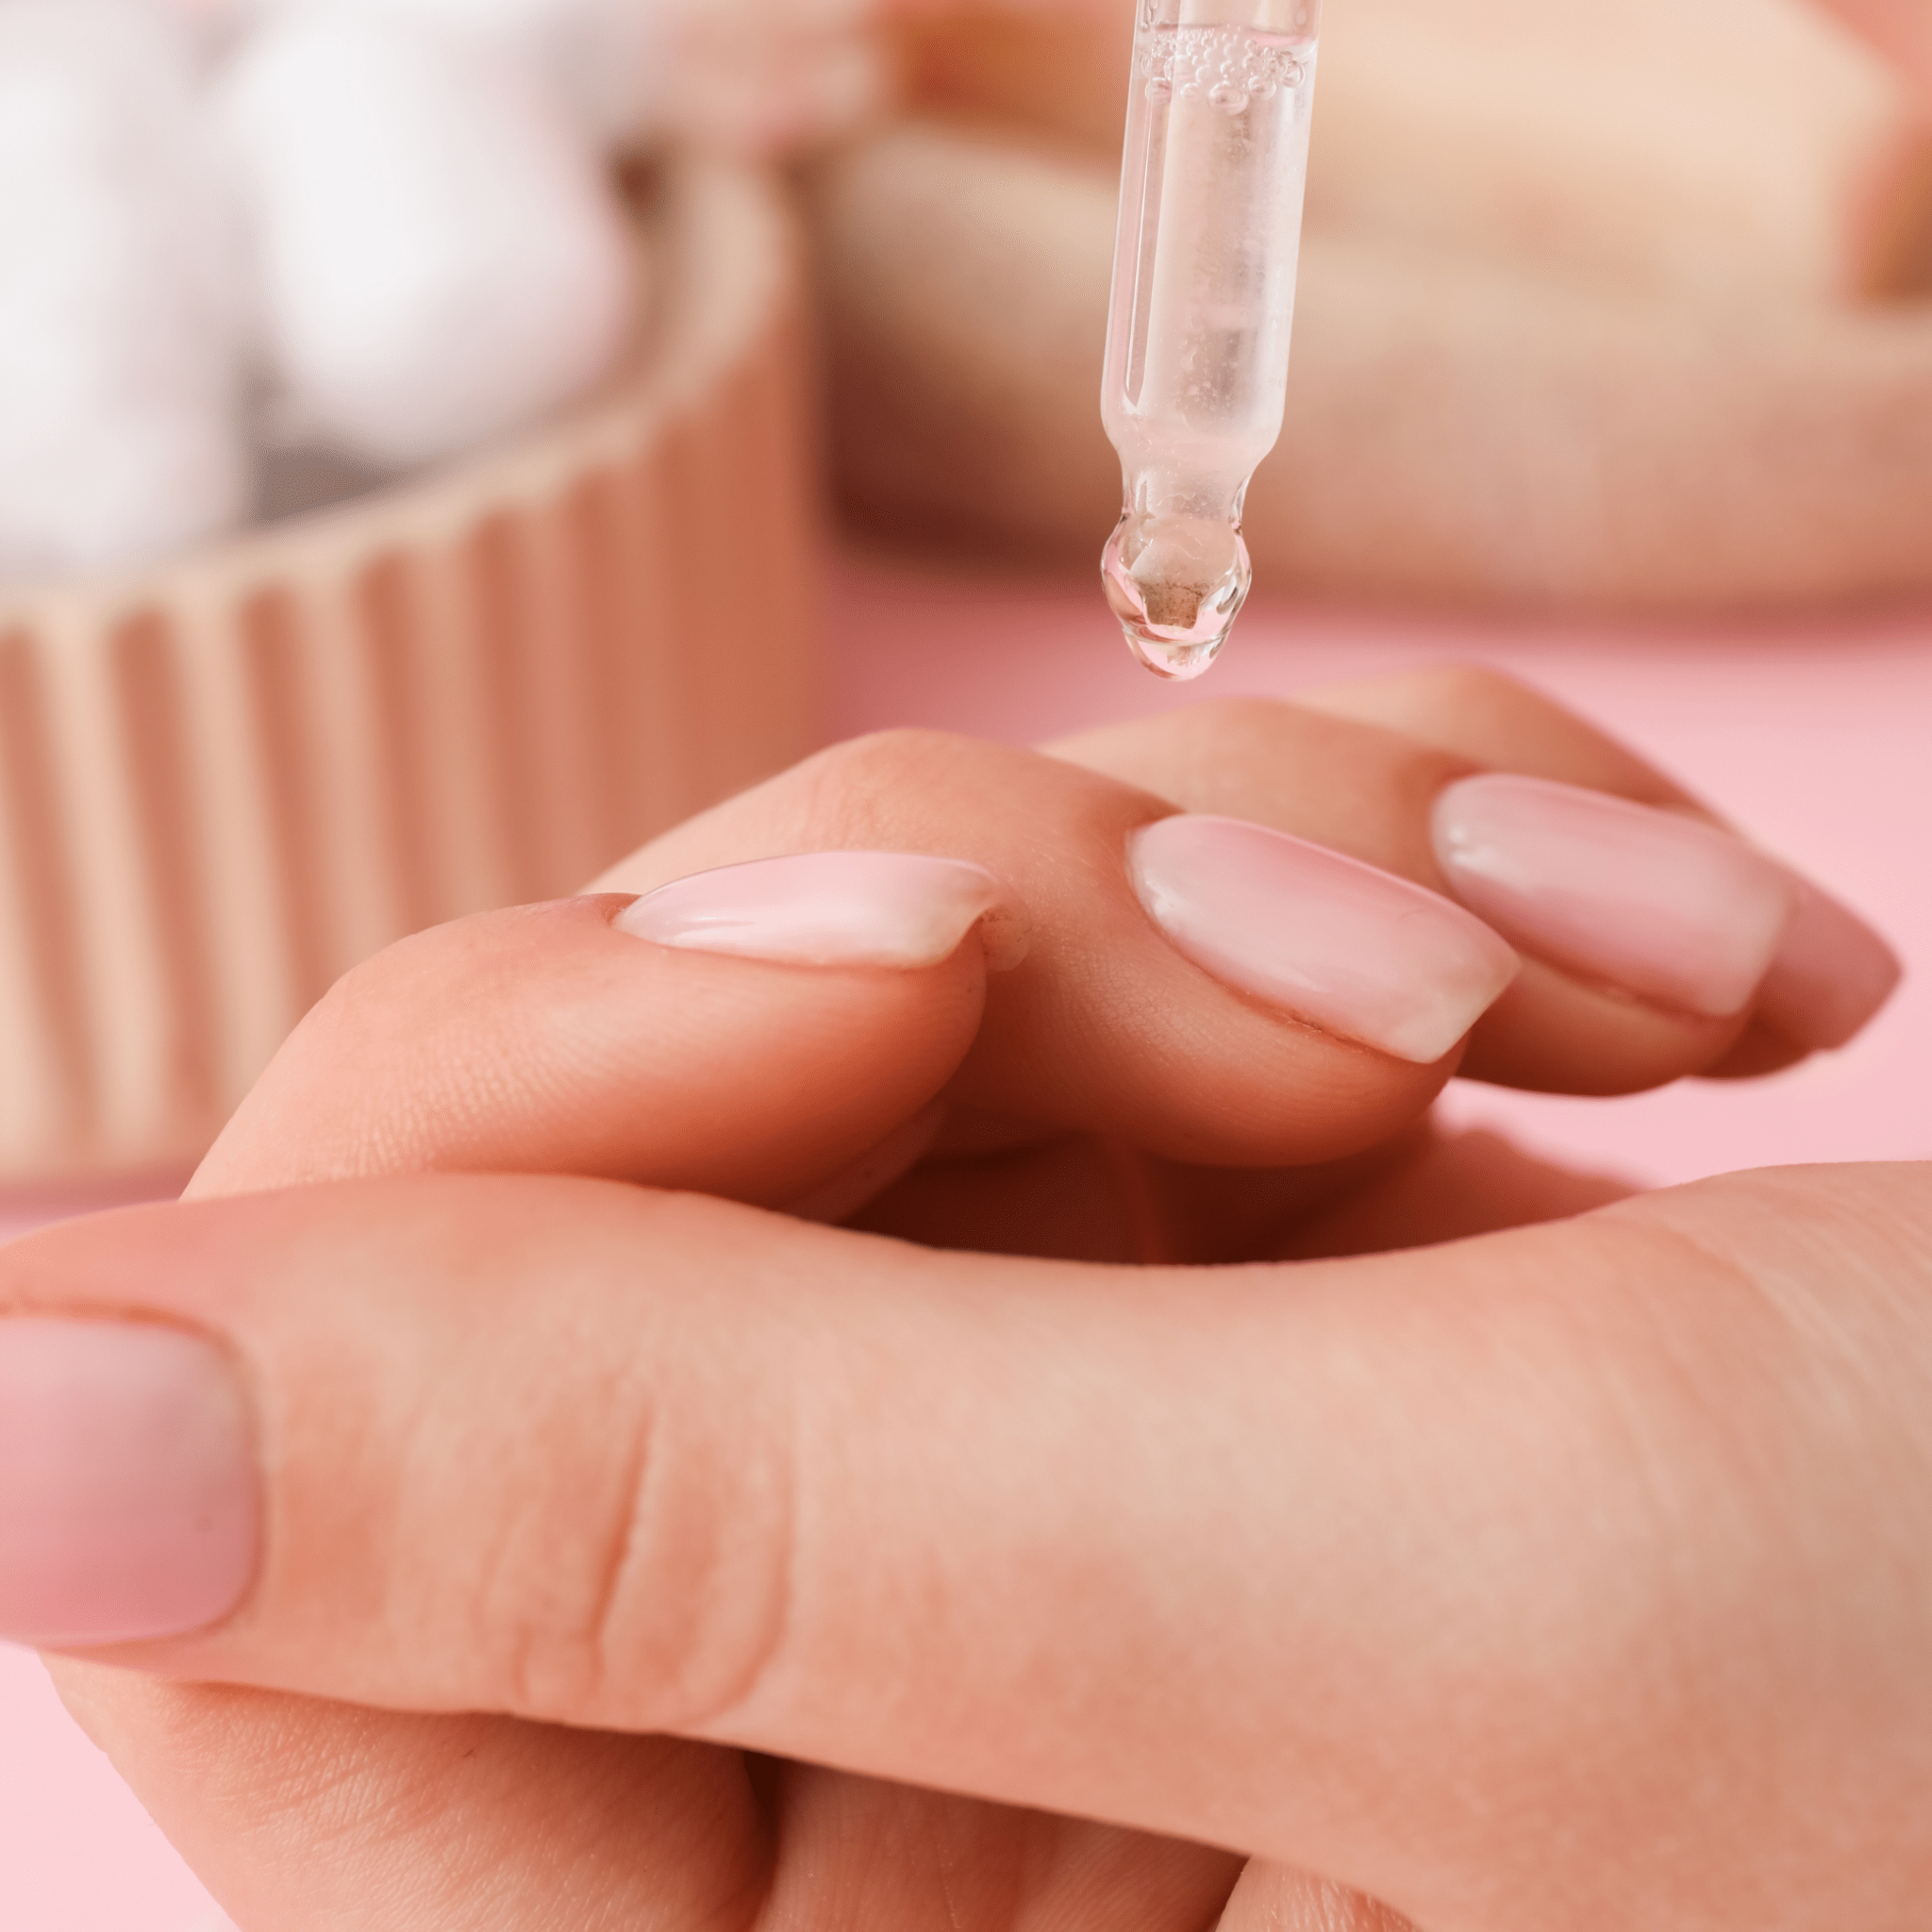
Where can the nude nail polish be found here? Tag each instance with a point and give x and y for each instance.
(1355, 950)
(1830, 975)
(832, 909)
(129, 1502)
(1661, 906)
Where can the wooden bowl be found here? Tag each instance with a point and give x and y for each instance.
(226, 780)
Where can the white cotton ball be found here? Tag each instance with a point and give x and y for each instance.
(748, 77)
(439, 257)
(121, 431)
(601, 61)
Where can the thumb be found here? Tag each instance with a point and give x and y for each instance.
(1371, 1567)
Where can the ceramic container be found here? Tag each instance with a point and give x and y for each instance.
(225, 781)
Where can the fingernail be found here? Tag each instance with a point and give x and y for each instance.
(128, 1498)
(1659, 904)
(1355, 950)
(1831, 973)
(833, 908)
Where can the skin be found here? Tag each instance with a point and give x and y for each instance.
(651, 1558)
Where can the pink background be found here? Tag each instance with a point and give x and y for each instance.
(1816, 736)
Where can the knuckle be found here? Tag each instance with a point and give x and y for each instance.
(835, 795)
(862, 766)
(909, 783)
(653, 1593)
(1480, 686)
(1483, 706)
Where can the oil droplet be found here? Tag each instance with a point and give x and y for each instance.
(1176, 584)
(1160, 89)
(1229, 98)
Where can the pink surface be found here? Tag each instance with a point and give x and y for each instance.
(1817, 737)
(77, 1853)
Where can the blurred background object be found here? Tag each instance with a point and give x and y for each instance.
(744, 77)
(1615, 307)
(436, 259)
(1746, 148)
(1903, 28)
(446, 297)
(122, 424)
(1702, 145)
(227, 779)
(253, 252)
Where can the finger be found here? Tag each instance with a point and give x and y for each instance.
(1272, 1898)
(1296, 1007)
(540, 1038)
(551, 1039)
(1653, 948)
(1831, 972)
(852, 1852)
(1446, 1187)
(1091, 1200)
(1372, 792)
(1499, 724)
(1288, 1559)
(546, 1037)
(298, 1813)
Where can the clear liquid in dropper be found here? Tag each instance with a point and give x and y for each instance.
(1175, 583)
(1203, 300)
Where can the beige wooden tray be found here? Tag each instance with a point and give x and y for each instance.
(226, 781)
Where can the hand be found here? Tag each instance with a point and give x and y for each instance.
(1184, 1628)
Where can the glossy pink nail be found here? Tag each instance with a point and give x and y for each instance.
(1831, 973)
(1664, 907)
(129, 1504)
(1357, 951)
(832, 909)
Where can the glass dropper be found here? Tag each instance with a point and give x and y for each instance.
(1210, 217)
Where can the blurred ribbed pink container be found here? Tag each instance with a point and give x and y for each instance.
(226, 780)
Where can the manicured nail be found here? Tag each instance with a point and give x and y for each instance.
(1355, 950)
(1661, 906)
(833, 908)
(129, 1505)
(1831, 973)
